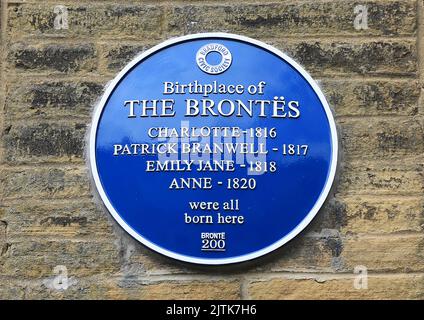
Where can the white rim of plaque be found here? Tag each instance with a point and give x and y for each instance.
(208, 261)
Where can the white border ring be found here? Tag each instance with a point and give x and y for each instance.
(308, 218)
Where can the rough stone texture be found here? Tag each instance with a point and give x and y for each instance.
(50, 79)
(369, 57)
(401, 254)
(382, 138)
(38, 257)
(384, 177)
(323, 57)
(369, 214)
(51, 99)
(136, 21)
(260, 20)
(379, 287)
(52, 57)
(372, 97)
(4, 245)
(44, 141)
(60, 219)
(117, 288)
(24, 183)
(257, 20)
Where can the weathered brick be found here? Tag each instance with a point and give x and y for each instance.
(4, 245)
(308, 18)
(264, 20)
(381, 177)
(55, 99)
(56, 219)
(46, 183)
(106, 287)
(11, 290)
(400, 253)
(371, 215)
(35, 258)
(321, 58)
(332, 215)
(376, 139)
(40, 141)
(116, 56)
(141, 260)
(95, 287)
(123, 20)
(306, 253)
(370, 57)
(203, 290)
(379, 287)
(381, 215)
(372, 98)
(53, 57)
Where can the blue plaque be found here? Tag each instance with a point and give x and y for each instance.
(213, 148)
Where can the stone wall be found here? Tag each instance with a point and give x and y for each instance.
(57, 56)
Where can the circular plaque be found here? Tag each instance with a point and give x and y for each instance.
(213, 148)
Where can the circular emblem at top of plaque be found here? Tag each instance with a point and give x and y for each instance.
(202, 58)
(213, 148)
